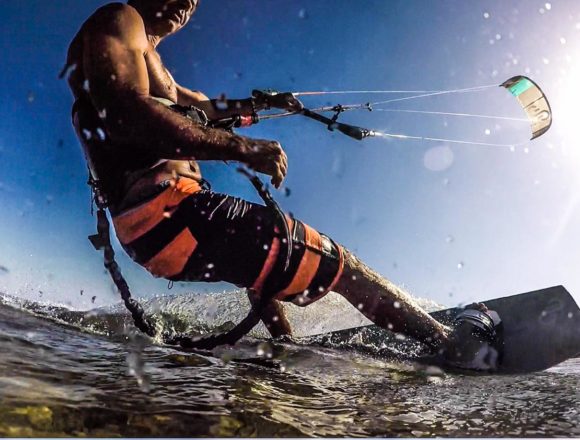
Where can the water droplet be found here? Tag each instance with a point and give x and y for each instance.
(222, 103)
(390, 326)
(397, 305)
(302, 13)
(487, 131)
(570, 315)
(101, 134)
(449, 239)
(360, 306)
(264, 349)
(460, 265)
(548, 6)
(562, 40)
(438, 158)
(486, 15)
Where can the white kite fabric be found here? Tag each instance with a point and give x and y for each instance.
(533, 101)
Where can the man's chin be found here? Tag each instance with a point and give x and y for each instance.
(168, 27)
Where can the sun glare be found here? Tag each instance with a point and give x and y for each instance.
(565, 105)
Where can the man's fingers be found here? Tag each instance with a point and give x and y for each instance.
(268, 157)
(284, 166)
(277, 180)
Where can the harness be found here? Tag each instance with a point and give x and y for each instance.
(102, 241)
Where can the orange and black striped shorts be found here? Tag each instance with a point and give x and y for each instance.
(185, 233)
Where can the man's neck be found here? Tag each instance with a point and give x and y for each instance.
(154, 40)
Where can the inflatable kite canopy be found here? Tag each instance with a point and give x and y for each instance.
(533, 101)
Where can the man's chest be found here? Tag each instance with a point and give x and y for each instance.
(161, 83)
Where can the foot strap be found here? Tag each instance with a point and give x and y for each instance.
(476, 342)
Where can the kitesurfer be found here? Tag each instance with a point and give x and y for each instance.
(143, 140)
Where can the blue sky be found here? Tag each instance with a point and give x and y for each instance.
(450, 222)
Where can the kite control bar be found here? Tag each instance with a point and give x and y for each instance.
(265, 100)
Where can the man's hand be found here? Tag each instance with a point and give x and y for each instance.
(266, 99)
(266, 157)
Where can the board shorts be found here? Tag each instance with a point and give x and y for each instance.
(187, 233)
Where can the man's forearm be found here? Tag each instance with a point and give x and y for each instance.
(146, 125)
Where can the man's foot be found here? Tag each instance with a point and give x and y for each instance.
(476, 341)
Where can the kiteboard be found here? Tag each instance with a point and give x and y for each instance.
(540, 330)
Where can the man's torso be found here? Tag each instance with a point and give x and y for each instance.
(162, 85)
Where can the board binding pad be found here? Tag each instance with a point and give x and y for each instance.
(540, 329)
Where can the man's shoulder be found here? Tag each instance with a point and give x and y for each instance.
(117, 15)
(119, 21)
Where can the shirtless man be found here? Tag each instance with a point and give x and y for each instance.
(143, 148)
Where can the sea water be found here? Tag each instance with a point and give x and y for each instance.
(71, 373)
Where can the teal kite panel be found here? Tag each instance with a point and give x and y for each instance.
(520, 87)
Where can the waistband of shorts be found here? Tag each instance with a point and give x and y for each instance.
(184, 185)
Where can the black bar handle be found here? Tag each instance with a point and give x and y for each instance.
(352, 131)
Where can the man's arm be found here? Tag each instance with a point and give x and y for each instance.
(114, 65)
(216, 109)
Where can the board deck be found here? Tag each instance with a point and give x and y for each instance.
(541, 329)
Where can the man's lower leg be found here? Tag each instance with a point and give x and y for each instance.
(387, 305)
